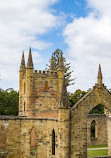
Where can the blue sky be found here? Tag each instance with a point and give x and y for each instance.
(81, 28)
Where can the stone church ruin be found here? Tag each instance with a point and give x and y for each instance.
(46, 126)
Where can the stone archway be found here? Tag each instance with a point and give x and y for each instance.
(79, 112)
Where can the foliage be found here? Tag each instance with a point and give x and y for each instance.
(67, 66)
(9, 101)
(99, 109)
(74, 98)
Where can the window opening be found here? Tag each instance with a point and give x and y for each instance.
(93, 124)
(53, 142)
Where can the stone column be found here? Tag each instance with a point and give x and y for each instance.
(109, 135)
(64, 133)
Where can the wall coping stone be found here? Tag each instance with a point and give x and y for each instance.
(95, 115)
(11, 117)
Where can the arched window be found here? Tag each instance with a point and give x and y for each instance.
(53, 142)
(93, 129)
(33, 138)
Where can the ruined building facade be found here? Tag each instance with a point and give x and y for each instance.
(46, 126)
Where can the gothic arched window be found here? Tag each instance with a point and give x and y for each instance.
(53, 142)
(93, 129)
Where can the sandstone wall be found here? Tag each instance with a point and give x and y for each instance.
(101, 137)
(109, 136)
(18, 137)
(79, 113)
(39, 94)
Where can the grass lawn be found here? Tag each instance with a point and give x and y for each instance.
(97, 146)
(101, 152)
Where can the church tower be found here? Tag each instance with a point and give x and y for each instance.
(41, 93)
(26, 85)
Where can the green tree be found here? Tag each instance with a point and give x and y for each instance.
(9, 102)
(99, 109)
(74, 98)
(68, 73)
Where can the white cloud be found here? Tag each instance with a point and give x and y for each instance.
(20, 23)
(89, 41)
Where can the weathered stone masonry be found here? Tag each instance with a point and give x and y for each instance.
(101, 123)
(46, 126)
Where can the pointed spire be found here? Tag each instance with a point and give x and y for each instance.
(61, 65)
(52, 67)
(30, 62)
(22, 66)
(99, 75)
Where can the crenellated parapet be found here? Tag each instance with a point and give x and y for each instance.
(50, 72)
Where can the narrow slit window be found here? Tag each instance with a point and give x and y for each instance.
(93, 129)
(24, 105)
(24, 87)
(53, 142)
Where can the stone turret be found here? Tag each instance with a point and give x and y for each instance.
(61, 64)
(22, 75)
(52, 66)
(99, 78)
(22, 66)
(64, 113)
(29, 84)
(60, 72)
(26, 86)
(64, 97)
(30, 62)
(64, 124)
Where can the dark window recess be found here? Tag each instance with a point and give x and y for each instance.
(24, 105)
(93, 124)
(53, 142)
